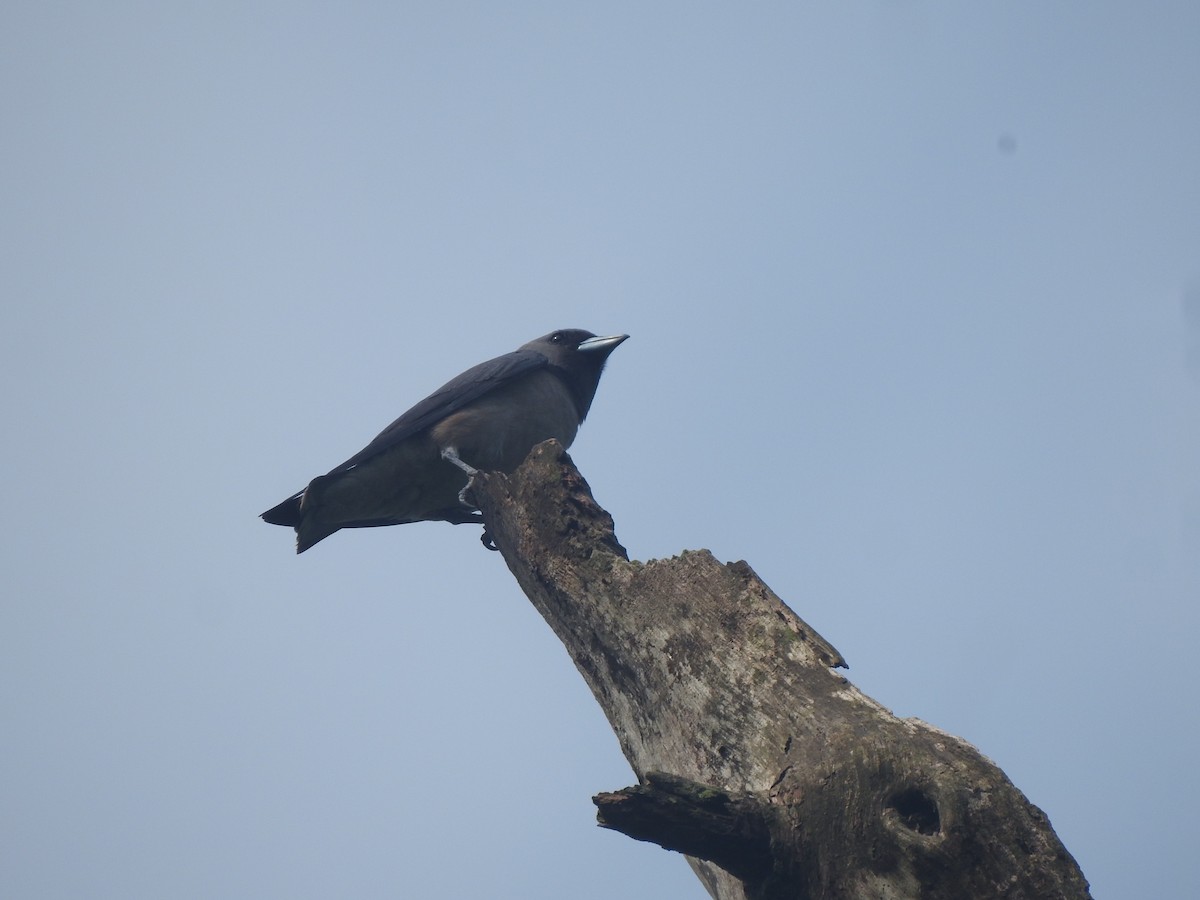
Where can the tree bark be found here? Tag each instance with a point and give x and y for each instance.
(771, 771)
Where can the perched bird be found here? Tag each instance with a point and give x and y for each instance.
(488, 418)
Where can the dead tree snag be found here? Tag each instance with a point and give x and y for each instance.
(771, 771)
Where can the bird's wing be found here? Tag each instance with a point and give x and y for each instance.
(450, 397)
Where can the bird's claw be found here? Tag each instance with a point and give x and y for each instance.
(466, 489)
(487, 540)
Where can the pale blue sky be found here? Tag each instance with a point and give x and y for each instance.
(906, 283)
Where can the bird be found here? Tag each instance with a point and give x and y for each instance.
(488, 418)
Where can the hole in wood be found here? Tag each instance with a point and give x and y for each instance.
(916, 810)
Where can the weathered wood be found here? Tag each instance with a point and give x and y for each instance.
(707, 676)
(695, 819)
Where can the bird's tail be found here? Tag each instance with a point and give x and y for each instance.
(309, 533)
(286, 513)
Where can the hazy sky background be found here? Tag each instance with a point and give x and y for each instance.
(914, 297)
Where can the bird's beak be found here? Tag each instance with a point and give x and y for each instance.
(607, 344)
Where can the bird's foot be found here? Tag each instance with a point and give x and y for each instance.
(462, 495)
(487, 540)
(450, 455)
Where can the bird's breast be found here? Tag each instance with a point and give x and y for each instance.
(497, 431)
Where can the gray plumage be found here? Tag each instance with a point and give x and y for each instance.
(488, 418)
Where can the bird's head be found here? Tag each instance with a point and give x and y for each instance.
(579, 357)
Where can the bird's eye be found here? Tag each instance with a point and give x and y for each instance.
(556, 338)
